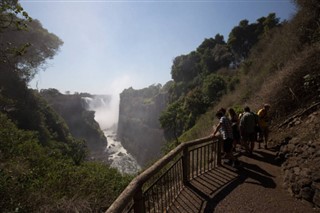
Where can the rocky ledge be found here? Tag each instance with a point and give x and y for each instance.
(299, 154)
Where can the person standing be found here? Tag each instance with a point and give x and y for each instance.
(248, 129)
(235, 127)
(264, 121)
(225, 129)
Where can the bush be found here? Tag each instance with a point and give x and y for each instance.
(37, 178)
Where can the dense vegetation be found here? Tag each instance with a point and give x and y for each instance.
(203, 76)
(240, 71)
(74, 110)
(42, 167)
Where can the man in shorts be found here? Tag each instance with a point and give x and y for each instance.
(248, 125)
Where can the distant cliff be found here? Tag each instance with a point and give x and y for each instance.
(72, 108)
(138, 128)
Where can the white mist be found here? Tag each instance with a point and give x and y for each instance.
(106, 114)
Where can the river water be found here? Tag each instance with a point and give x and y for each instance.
(119, 156)
(106, 114)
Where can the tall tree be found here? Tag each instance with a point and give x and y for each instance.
(185, 67)
(245, 35)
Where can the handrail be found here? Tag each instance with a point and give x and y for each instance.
(135, 186)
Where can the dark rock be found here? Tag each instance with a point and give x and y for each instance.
(296, 190)
(295, 141)
(306, 172)
(316, 176)
(316, 197)
(305, 182)
(317, 154)
(311, 150)
(307, 193)
(296, 170)
(290, 147)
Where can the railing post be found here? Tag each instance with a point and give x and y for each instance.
(138, 201)
(185, 165)
(219, 152)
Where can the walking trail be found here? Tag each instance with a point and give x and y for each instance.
(256, 186)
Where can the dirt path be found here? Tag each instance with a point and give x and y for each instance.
(258, 188)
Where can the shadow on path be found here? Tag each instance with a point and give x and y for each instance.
(247, 173)
(203, 193)
(261, 155)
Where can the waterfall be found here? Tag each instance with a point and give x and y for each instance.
(106, 114)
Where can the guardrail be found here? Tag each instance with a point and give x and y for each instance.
(155, 189)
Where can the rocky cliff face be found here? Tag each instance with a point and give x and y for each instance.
(139, 127)
(72, 108)
(300, 154)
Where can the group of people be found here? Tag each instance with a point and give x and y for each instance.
(244, 129)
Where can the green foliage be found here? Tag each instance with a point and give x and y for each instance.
(42, 166)
(25, 51)
(217, 57)
(214, 87)
(9, 10)
(185, 67)
(233, 83)
(197, 82)
(308, 21)
(36, 178)
(286, 52)
(244, 36)
(172, 119)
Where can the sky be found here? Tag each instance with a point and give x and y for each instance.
(113, 45)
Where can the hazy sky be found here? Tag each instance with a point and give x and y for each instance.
(112, 45)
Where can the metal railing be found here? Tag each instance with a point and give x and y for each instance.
(155, 189)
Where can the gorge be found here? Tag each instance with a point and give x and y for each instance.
(123, 133)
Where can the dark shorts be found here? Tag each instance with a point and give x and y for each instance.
(227, 145)
(235, 132)
(249, 137)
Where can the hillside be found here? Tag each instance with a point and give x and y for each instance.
(80, 121)
(283, 69)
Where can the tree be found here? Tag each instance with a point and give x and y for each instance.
(172, 120)
(213, 87)
(210, 43)
(245, 35)
(23, 51)
(185, 67)
(9, 10)
(215, 58)
(27, 50)
(241, 39)
(195, 105)
(307, 21)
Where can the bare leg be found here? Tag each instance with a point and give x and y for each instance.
(251, 146)
(266, 137)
